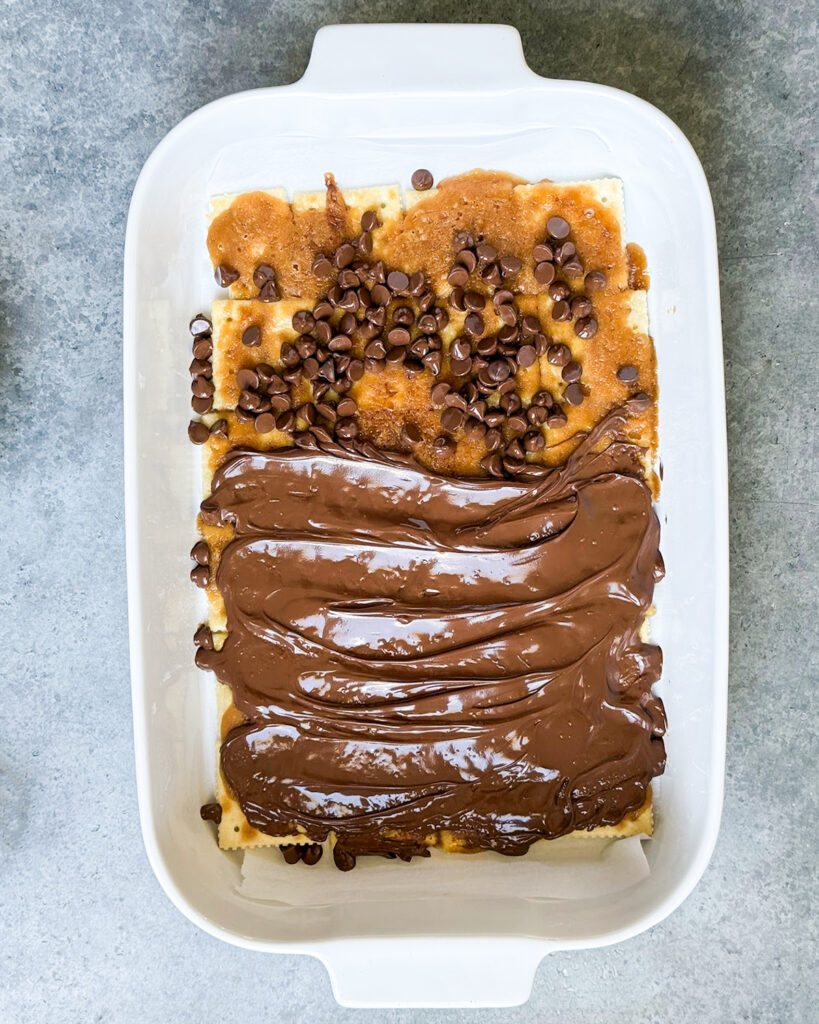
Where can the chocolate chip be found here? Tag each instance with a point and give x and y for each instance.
(252, 336)
(264, 423)
(463, 240)
(493, 437)
(586, 327)
(365, 243)
(433, 362)
(468, 259)
(347, 429)
(526, 355)
(247, 378)
(200, 553)
(310, 368)
(417, 284)
(581, 306)
(375, 350)
(491, 274)
(262, 274)
(474, 301)
(210, 513)
(541, 344)
(571, 372)
(557, 419)
(219, 428)
(203, 637)
(510, 265)
(514, 450)
(399, 336)
(200, 367)
(269, 292)
(327, 410)
(498, 370)
(249, 400)
(344, 255)
(508, 315)
(420, 347)
(627, 373)
(475, 430)
(517, 423)
(456, 299)
(323, 310)
(346, 408)
(321, 267)
(380, 294)
(369, 220)
(200, 575)
(508, 334)
(544, 273)
(559, 355)
(311, 854)
(422, 180)
(595, 281)
(350, 301)
(279, 403)
(243, 416)
(543, 253)
(487, 346)
(638, 403)
(291, 853)
(558, 227)
(355, 371)
(348, 279)
(573, 394)
(573, 267)
(460, 367)
(460, 349)
(203, 347)
(201, 387)
(452, 419)
(561, 310)
(492, 464)
(473, 324)
(398, 281)
(425, 300)
(559, 290)
(285, 422)
(225, 275)
(438, 393)
(486, 253)
(443, 445)
(565, 252)
(200, 325)
(533, 441)
(397, 355)
(441, 317)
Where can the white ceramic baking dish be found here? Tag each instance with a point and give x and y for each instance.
(407, 103)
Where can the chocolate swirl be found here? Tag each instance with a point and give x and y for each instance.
(414, 653)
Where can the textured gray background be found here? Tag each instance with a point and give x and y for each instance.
(87, 89)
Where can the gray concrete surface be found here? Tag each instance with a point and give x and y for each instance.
(87, 88)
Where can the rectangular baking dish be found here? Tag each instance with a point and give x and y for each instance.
(410, 104)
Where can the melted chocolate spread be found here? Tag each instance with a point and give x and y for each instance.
(415, 653)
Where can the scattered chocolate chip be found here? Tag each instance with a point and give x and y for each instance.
(365, 243)
(203, 637)
(219, 428)
(344, 255)
(573, 394)
(460, 367)
(558, 227)
(355, 371)
(559, 290)
(399, 336)
(203, 347)
(411, 433)
(463, 240)
(438, 393)
(201, 387)
(369, 220)
(561, 310)
(443, 445)
(491, 274)
(398, 281)
(291, 853)
(533, 441)
(565, 252)
(543, 253)
(211, 812)
(433, 362)
(200, 367)
(264, 423)
(638, 403)
(492, 464)
(509, 402)
(200, 575)
(285, 422)
(422, 180)
(581, 306)
(247, 378)
(514, 450)
(347, 429)
(627, 373)
(557, 419)
(498, 370)
(200, 553)
(323, 310)
(474, 301)
(559, 355)
(252, 336)
(473, 324)
(526, 355)
(586, 327)
(517, 423)
(452, 419)
(343, 859)
(510, 265)
(269, 292)
(397, 355)
(380, 294)
(225, 275)
(493, 438)
(571, 372)
(200, 325)
(475, 430)
(595, 281)
(348, 279)
(467, 259)
(262, 274)
(573, 267)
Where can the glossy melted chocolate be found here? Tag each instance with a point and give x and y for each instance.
(414, 653)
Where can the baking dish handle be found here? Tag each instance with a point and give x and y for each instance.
(434, 972)
(417, 59)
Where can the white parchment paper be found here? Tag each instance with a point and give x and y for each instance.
(567, 868)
